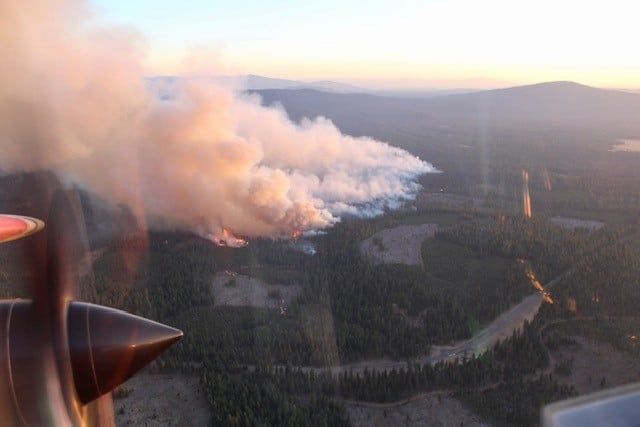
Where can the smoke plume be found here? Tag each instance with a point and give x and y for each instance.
(73, 99)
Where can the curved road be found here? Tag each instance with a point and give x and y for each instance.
(502, 327)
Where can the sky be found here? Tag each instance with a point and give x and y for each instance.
(482, 42)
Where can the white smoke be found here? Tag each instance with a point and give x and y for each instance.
(74, 99)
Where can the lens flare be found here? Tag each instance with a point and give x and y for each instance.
(546, 179)
(526, 198)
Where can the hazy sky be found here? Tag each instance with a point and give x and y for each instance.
(593, 42)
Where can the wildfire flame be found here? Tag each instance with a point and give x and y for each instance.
(226, 238)
(296, 234)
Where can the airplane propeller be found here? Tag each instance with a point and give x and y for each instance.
(60, 358)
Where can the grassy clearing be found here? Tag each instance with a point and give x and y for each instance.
(472, 276)
(446, 260)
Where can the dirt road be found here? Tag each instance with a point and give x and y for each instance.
(502, 327)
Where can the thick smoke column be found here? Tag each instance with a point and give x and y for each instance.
(74, 99)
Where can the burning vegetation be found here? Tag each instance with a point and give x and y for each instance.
(226, 238)
(533, 279)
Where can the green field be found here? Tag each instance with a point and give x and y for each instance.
(446, 260)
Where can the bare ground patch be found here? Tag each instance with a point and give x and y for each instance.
(162, 400)
(398, 245)
(431, 409)
(594, 360)
(243, 291)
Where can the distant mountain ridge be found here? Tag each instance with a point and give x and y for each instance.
(252, 82)
(558, 104)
